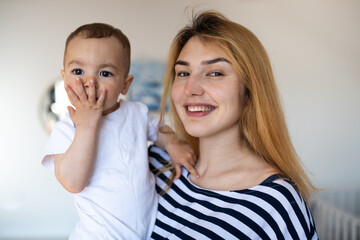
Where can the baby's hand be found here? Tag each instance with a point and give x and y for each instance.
(87, 110)
(182, 155)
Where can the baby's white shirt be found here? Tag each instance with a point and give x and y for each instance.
(120, 201)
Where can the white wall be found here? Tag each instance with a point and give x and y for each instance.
(314, 47)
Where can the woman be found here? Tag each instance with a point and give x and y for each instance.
(224, 103)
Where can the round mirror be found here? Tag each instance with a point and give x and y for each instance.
(53, 104)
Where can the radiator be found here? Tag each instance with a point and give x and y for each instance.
(337, 215)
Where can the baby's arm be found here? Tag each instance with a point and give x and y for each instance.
(180, 152)
(73, 168)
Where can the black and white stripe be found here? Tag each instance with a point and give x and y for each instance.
(271, 210)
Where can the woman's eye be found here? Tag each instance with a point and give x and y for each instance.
(182, 74)
(106, 74)
(216, 74)
(77, 71)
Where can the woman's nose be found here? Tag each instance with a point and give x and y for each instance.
(193, 86)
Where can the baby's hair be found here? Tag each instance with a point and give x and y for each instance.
(102, 30)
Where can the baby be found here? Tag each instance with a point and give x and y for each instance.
(99, 151)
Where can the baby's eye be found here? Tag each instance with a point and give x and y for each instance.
(106, 74)
(216, 74)
(77, 71)
(183, 74)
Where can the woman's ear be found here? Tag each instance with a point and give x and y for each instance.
(246, 96)
(127, 84)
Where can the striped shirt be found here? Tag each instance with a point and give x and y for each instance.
(271, 210)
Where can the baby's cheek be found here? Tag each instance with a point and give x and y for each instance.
(73, 88)
(69, 82)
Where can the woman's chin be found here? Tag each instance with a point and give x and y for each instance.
(197, 132)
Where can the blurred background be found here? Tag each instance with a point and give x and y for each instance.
(314, 47)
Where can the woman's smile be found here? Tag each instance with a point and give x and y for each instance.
(198, 110)
(207, 93)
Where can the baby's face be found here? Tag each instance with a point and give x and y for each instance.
(100, 59)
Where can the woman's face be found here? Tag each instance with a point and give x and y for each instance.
(207, 93)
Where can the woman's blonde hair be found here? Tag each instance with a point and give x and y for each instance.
(262, 122)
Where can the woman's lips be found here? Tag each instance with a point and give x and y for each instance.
(199, 110)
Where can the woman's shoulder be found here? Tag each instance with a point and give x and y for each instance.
(278, 184)
(274, 188)
(279, 192)
(157, 156)
(275, 202)
(280, 198)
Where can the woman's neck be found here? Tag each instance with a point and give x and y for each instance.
(221, 151)
(226, 163)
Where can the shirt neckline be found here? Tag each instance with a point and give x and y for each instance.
(269, 179)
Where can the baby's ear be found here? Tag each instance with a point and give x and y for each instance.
(62, 74)
(127, 84)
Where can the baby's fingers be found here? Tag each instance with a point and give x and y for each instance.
(81, 91)
(100, 101)
(73, 98)
(92, 92)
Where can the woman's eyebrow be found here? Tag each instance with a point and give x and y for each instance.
(180, 62)
(216, 60)
(205, 62)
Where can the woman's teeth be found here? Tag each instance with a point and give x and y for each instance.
(199, 108)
